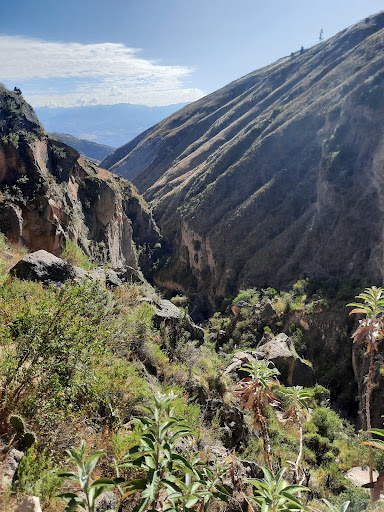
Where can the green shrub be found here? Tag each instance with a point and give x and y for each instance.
(332, 478)
(73, 254)
(48, 348)
(358, 497)
(245, 295)
(181, 301)
(36, 476)
(317, 444)
(300, 286)
(328, 423)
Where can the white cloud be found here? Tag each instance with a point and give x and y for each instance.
(72, 74)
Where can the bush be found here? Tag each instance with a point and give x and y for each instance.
(36, 476)
(317, 444)
(73, 254)
(245, 295)
(48, 348)
(358, 497)
(328, 423)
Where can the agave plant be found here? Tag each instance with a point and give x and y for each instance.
(256, 395)
(275, 494)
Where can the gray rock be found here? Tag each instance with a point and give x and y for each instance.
(113, 280)
(130, 275)
(29, 504)
(45, 267)
(268, 312)
(359, 475)
(167, 312)
(294, 370)
(106, 501)
(9, 467)
(236, 365)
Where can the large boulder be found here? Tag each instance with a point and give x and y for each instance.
(168, 313)
(239, 359)
(29, 504)
(45, 267)
(359, 475)
(294, 371)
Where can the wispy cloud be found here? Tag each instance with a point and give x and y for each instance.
(72, 74)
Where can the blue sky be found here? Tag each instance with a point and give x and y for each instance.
(154, 52)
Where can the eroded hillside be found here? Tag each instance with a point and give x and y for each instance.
(277, 176)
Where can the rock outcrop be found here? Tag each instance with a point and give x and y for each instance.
(167, 312)
(294, 371)
(49, 194)
(8, 468)
(277, 176)
(46, 268)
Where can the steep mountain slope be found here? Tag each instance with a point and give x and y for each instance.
(279, 175)
(87, 148)
(49, 194)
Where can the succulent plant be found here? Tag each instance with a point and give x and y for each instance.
(17, 423)
(26, 438)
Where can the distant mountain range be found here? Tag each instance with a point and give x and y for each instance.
(91, 150)
(112, 125)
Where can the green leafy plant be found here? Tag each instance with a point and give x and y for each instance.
(198, 486)
(275, 494)
(376, 443)
(171, 481)
(332, 508)
(36, 476)
(48, 348)
(92, 489)
(59, 152)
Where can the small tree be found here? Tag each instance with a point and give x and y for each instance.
(369, 333)
(297, 411)
(256, 395)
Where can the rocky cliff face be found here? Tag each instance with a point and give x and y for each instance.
(48, 194)
(277, 176)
